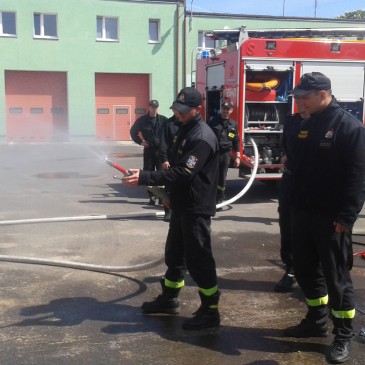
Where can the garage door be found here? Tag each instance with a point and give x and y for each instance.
(120, 99)
(36, 106)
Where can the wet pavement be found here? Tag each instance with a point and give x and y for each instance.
(54, 315)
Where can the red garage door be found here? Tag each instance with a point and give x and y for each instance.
(36, 106)
(120, 99)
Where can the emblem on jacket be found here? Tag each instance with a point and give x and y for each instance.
(303, 134)
(329, 134)
(191, 162)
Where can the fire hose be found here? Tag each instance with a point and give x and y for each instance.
(103, 268)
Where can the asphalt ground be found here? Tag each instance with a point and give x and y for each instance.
(55, 315)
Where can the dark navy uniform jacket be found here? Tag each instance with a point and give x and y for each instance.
(291, 129)
(151, 129)
(169, 134)
(329, 165)
(227, 133)
(193, 176)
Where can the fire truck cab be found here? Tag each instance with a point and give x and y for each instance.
(255, 69)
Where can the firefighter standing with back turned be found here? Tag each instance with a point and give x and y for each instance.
(149, 126)
(191, 180)
(328, 192)
(226, 132)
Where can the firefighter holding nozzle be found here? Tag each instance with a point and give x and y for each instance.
(328, 192)
(192, 181)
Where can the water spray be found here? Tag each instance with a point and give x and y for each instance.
(102, 268)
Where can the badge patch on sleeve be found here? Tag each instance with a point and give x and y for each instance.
(191, 162)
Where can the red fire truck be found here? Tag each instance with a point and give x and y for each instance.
(255, 69)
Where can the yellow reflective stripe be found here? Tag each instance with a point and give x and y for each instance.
(173, 284)
(317, 302)
(343, 314)
(209, 292)
(221, 187)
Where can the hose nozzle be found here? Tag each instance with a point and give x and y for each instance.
(119, 168)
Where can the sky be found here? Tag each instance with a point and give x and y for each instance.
(301, 8)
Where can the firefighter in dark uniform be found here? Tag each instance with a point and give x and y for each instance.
(226, 132)
(149, 127)
(290, 132)
(328, 192)
(192, 180)
(169, 134)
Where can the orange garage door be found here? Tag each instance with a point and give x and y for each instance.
(36, 106)
(120, 99)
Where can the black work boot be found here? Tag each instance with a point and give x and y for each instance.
(307, 329)
(286, 284)
(207, 316)
(339, 351)
(220, 196)
(167, 302)
(167, 216)
(152, 200)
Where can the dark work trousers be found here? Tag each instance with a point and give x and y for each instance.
(284, 223)
(188, 247)
(224, 160)
(322, 264)
(151, 161)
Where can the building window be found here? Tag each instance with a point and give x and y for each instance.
(154, 31)
(140, 111)
(106, 28)
(121, 111)
(15, 110)
(205, 42)
(57, 111)
(36, 110)
(102, 111)
(7, 23)
(45, 26)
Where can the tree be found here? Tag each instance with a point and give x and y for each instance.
(357, 14)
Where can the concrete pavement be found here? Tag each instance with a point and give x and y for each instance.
(53, 315)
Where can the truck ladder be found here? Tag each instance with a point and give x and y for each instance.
(241, 34)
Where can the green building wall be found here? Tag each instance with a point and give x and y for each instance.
(80, 55)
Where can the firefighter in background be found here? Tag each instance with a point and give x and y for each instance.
(149, 127)
(291, 129)
(169, 134)
(328, 192)
(192, 180)
(226, 132)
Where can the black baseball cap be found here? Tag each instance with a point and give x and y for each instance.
(187, 99)
(154, 103)
(227, 104)
(310, 82)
